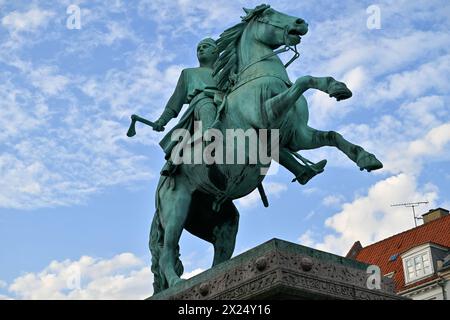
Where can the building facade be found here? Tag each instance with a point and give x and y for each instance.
(418, 260)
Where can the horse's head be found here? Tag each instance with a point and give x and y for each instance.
(263, 26)
(274, 28)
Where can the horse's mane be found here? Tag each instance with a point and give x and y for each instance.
(225, 68)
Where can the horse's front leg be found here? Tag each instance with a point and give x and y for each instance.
(278, 105)
(334, 88)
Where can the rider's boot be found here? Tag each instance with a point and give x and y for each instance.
(301, 173)
(310, 171)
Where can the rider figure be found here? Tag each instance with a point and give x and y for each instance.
(197, 87)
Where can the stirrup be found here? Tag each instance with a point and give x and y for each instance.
(168, 169)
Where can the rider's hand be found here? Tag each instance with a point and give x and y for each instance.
(159, 125)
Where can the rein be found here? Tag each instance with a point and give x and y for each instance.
(285, 37)
(274, 53)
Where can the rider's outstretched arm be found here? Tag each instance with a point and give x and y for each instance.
(176, 101)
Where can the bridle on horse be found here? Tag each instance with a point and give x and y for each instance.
(276, 52)
(285, 38)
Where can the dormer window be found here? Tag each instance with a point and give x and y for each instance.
(417, 264)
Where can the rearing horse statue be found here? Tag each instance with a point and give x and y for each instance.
(259, 95)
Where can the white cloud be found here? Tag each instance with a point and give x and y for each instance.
(429, 111)
(15, 120)
(370, 217)
(429, 77)
(27, 21)
(105, 33)
(402, 89)
(143, 86)
(124, 276)
(60, 145)
(310, 215)
(45, 172)
(385, 65)
(433, 143)
(45, 79)
(404, 155)
(188, 16)
(271, 189)
(333, 200)
(117, 32)
(307, 239)
(59, 153)
(192, 273)
(308, 191)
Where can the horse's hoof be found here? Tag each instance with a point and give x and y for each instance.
(174, 282)
(367, 161)
(339, 91)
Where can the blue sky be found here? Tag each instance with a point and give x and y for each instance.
(76, 195)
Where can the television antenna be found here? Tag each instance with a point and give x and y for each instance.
(411, 205)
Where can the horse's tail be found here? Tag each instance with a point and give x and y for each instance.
(156, 244)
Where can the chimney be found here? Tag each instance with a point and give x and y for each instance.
(434, 214)
(355, 249)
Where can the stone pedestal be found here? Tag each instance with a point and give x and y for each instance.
(282, 270)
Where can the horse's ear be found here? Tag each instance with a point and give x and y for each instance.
(247, 11)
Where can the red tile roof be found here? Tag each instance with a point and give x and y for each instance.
(379, 253)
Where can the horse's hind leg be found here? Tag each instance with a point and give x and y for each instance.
(310, 138)
(302, 173)
(174, 208)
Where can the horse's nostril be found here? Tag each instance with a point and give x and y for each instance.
(299, 21)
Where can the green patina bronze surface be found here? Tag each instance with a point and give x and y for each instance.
(241, 83)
